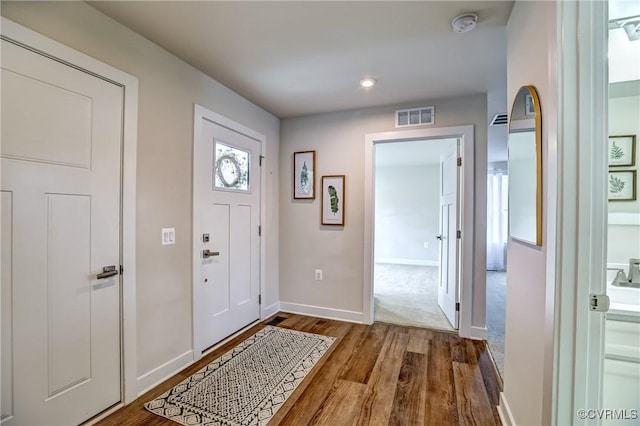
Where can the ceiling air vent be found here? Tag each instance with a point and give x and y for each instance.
(423, 116)
(499, 119)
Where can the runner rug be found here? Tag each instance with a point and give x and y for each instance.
(246, 385)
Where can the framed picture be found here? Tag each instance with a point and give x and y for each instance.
(622, 185)
(529, 107)
(622, 150)
(304, 177)
(333, 200)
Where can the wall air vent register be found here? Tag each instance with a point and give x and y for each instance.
(423, 116)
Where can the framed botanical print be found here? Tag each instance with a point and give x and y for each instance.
(622, 185)
(622, 150)
(333, 192)
(304, 178)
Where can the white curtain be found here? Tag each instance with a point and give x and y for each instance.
(497, 211)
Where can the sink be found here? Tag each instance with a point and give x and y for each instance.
(624, 300)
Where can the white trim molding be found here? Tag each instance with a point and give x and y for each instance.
(411, 262)
(322, 312)
(466, 265)
(153, 378)
(576, 260)
(51, 48)
(505, 412)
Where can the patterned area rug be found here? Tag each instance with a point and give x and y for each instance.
(246, 385)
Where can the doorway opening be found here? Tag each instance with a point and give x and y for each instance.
(497, 235)
(409, 243)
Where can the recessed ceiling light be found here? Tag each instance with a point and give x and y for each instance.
(368, 82)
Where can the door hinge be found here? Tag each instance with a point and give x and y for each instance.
(459, 234)
(599, 302)
(457, 306)
(261, 158)
(121, 269)
(259, 230)
(259, 299)
(459, 161)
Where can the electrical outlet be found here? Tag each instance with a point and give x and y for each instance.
(318, 274)
(426, 245)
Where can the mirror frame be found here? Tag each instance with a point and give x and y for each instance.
(531, 91)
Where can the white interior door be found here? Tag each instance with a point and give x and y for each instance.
(226, 223)
(61, 142)
(448, 287)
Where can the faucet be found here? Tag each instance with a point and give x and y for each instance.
(632, 279)
(634, 273)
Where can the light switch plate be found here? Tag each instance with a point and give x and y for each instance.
(168, 236)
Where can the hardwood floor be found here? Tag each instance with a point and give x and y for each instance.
(372, 375)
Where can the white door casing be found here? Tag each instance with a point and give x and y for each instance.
(61, 150)
(472, 288)
(448, 270)
(227, 282)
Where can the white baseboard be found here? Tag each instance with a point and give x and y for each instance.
(505, 412)
(270, 310)
(153, 378)
(414, 262)
(318, 311)
(477, 333)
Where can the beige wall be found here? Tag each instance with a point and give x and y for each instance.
(531, 43)
(168, 89)
(305, 245)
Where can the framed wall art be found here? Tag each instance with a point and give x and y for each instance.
(333, 192)
(622, 150)
(622, 185)
(304, 178)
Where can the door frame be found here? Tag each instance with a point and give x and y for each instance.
(201, 113)
(576, 263)
(466, 261)
(54, 50)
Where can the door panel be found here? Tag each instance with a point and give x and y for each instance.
(241, 260)
(448, 286)
(61, 142)
(68, 290)
(66, 139)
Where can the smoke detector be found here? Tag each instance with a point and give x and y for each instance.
(464, 23)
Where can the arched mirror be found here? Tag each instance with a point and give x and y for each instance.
(525, 167)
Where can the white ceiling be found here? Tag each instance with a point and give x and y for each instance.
(306, 57)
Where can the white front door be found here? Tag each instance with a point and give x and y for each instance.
(226, 224)
(448, 287)
(61, 148)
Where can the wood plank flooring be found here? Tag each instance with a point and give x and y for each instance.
(372, 375)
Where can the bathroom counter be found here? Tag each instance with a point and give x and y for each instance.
(624, 301)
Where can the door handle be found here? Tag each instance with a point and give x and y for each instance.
(207, 254)
(107, 271)
(439, 237)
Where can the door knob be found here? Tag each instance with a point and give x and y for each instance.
(439, 237)
(107, 271)
(207, 254)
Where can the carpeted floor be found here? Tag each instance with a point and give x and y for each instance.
(408, 295)
(496, 303)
